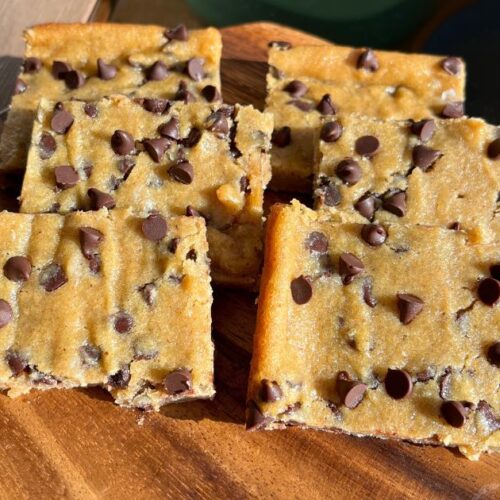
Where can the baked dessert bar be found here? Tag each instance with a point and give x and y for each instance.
(93, 60)
(307, 82)
(197, 159)
(386, 330)
(106, 299)
(432, 171)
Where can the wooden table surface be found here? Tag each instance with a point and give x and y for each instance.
(78, 444)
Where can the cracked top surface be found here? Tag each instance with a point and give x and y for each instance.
(322, 312)
(84, 313)
(449, 177)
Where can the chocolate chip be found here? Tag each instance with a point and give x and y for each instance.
(173, 244)
(295, 88)
(192, 255)
(302, 105)
(6, 313)
(423, 129)
(154, 105)
(452, 65)
(410, 306)
(32, 65)
(398, 384)
(348, 171)
(488, 291)
(59, 69)
(47, 146)
(368, 61)
(99, 199)
(170, 129)
(351, 392)
(301, 290)
(193, 138)
(326, 105)
(331, 132)
(90, 110)
(74, 79)
(105, 71)
(66, 176)
(494, 149)
(330, 195)
(281, 137)
(90, 239)
(366, 206)
(374, 234)
(52, 277)
(158, 71)
(245, 184)
(20, 87)
(194, 68)
(192, 212)
(182, 172)
(493, 354)
(122, 142)
(454, 413)
(425, 157)
(149, 293)
(279, 44)
(495, 271)
(218, 125)
(123, 322)
(156, 147)
(16, 361)
(317, 242)
(178, 382)
(125, 166)
(368, 297)
(17, 269)
(179, 33)
(455, 226)
(61, 121)
(90, 354)
(255, 420)
(367, 145)
(453, 110)
(154, 227)
(120, 379)
(349, 267)
(211, 94)
(183, 93)
(396, 203)
(270, 391)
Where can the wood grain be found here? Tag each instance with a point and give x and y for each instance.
(78, 444)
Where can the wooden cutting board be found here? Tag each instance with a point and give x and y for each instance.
(78, 444)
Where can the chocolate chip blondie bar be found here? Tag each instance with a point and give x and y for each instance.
(199, 159)
(93, 60)
(385, 330)
(307, 82)
(444, 172)
(109, 299)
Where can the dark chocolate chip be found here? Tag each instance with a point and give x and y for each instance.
(367, 60)
(349, 267)
(374, 234)
(20, 87)
(495, 271)
(156, 147)
(245, 184)
(255, 420)
(17, 268)
(493, 354)
(99, 199)
(454, 412)
(178, 382)
(326, 105)
(192, 138)
(125, 166)
(192, 212)
(317, 242)
(59, 69)
(331, 131)
(90, 239)
(279, 44)
(398, 384)
(90, 354)
(154, 105)
(453, 110)
(488, 291)
(192, 255)
(281, 137)
(351, 392)
(47, 146)
(183, 93)
(270, 391)
(123, 322)
(120, 379)
(409, 306)
(348, 171)
(452, 65)
(455, 226)
(331, 195)
(158, 71)
(52, 277)
(170, 129)
(179, 33)
(486, 411)
(61, 121)
(302, 105)
(182, 172)
(396, 203)
(6, 313)
(149, 293)
(296, 88)
(366, 206)
(368, 297)
(494, 149)
(367, 145)
(425, 157)
(32, 65)
(218, 125)
(66, 176)
(90, 110)
(194, 68)
(105, 71)
(154, 227)
(423, 129)
(173, 244)
(425, 375)
(74, 79)
(211, 94)
(122, 142)
(301, 290)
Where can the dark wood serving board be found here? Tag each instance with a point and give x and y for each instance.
(78, 444)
